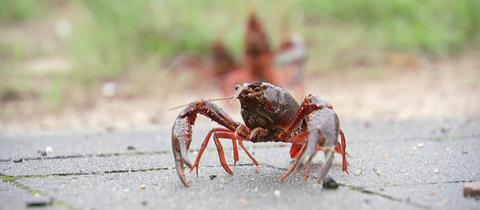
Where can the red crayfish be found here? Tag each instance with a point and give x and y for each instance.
(271, 114)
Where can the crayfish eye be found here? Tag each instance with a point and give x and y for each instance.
(236, 87)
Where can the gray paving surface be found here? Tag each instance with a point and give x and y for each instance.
(399, 165)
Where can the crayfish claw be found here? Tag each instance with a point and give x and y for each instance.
(322, 174)
(179, 165)
(181, 138)
(186, 160)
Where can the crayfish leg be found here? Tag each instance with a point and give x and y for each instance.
(201, 151)
(295, 150)
(344, 146)
(293, 165)
(221, 155)
(240, 142)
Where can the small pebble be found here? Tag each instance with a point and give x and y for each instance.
(386, 156)
(144, 203)
(143, 187)
(358, 172)
(377, 172)
(45, 151)
(329, 183)
(131, 148)
(436, 171)
(212, 177)
(420, 145)
(243, 201)
(224, 180)
(367, 124)
(276, 193)
(126, 190)
(48, 149)
(39, 201)
(255, 189)
(471, 189)
(445, 128)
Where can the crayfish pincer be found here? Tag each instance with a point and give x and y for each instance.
(270, 114)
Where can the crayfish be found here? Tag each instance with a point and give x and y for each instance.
(271, 114)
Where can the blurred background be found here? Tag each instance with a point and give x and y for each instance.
(106, 64)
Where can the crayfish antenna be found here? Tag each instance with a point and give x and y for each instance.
(178, 107)
(215, 99)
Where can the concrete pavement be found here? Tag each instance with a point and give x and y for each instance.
(419, 164)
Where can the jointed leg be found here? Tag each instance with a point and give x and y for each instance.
(222, 133)
(308, 169)
(231, 135)
(303, 161)
(235, 151)
(240, 142)
(297, 142)
(221, 155)
(344, 146)
(293, 165)
(204, 146)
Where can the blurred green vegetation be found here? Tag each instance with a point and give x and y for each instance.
(118, 37)
(19, 10)
(435, 26)
(111, 38)
(133, 35)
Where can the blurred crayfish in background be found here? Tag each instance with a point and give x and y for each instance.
(283, 66)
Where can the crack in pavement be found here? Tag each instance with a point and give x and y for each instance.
(86, 173)
(430, 183)
(389, 197)
(3, 176)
